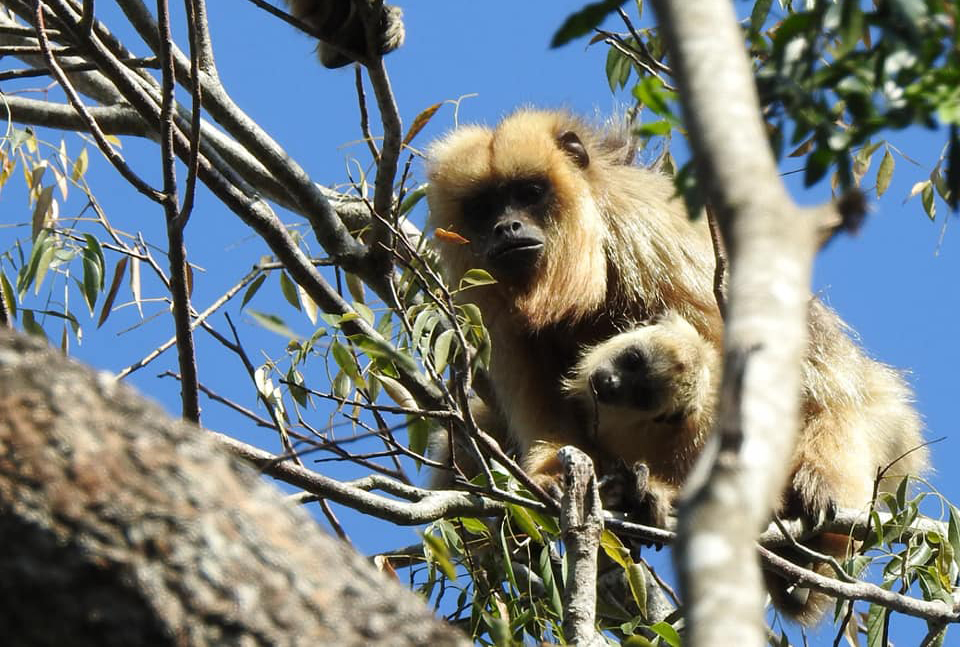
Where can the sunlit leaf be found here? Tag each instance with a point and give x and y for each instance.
(419, 122)
(80, 166)
(289, 290)
(440, 555)
(884, 173)
(667, 633)
(476, 277)
(441, 350)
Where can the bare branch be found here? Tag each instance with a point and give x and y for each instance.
(581, 520)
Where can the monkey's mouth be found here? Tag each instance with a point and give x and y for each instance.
(519, 251)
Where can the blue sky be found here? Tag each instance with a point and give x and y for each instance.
(895, 283)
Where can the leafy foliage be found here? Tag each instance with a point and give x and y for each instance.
(832, 77)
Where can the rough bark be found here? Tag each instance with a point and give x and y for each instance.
(581, 520)
(121, 526)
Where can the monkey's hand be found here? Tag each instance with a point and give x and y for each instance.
(662, 372)
(633, 490)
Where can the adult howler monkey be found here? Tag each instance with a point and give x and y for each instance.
(605, 330)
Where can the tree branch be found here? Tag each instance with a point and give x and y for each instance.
(581, 521)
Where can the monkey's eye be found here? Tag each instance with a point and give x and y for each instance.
(528, 192)
(479, 206)
(632, 360)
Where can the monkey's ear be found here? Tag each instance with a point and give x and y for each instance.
(570, 144)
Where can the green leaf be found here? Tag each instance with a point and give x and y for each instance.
(118, 273)
(929, 206)
(476, 277)
(549, 582)
(521, 516)
(355, 286)
(817, 164)
(615, 549)
(439, 554)
(397, 392)
(441, 350)
(507, 557)
(289, 290)
(545, 522)
(8, 295)
(345, 360)
(95, 252)
(638, 585)
(273, 323)
(342, 385)
(29, 271)
(618, 68)
(667, 632)
(295, 384)
(651, 93)
(418, 435)
(31, 325)
(654, 128)
(884, 173)
(252, 290)
(584, 21)
(474, 526)
(875, 621)
(953, 532)
(412, 198)
(758, 17)
(378, 347)
(424, 323)
(365, 313)
(40, 210)
(46, 260)
(92, 278)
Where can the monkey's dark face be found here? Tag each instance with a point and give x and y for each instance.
(520, 200)
(506, 220)
(504, 224)
(633, 378)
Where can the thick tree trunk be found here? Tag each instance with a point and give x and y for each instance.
(121, 526)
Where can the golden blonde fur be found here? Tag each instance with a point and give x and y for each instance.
(624, 267)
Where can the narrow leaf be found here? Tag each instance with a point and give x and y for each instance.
(135, 283)
(252, 290)
(118, 273)
(419, 122)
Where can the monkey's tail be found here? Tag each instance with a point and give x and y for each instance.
(797, 602)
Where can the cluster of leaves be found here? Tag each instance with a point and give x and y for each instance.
(907, 560)
(831, 77)
(836, 75)
(515, 570)
(56, 248)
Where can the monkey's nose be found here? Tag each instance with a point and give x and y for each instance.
(606, 384)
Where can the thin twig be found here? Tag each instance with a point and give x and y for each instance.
(128, 174)
(177, 252)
